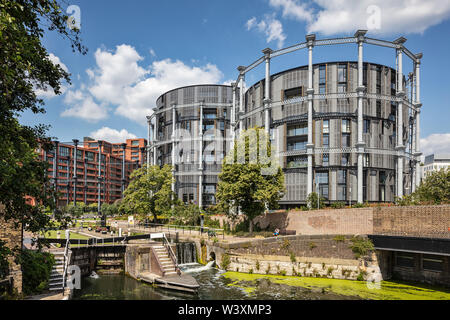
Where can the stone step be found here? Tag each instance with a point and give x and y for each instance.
(56, 288)
(169, 273)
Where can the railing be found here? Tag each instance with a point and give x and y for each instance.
(183, 229)
(66, 263)
(169, 249)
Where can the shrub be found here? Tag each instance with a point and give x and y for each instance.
(286, 244)
(312, 200)
(361, 275)
(225, 261)
(330, 270)
(257, 265)
(338, 205)
(312, 245)
(339, 238)
(282, 272)
(250, 271)
(293, 258)
(268, 269)
(36, 267)
(4, 265)
(361, 246)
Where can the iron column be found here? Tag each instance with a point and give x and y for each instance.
(360, 36)
(123, 145)
(310, 91)
(241, 98)
(418, 105)
(99, 208)
(267, 100)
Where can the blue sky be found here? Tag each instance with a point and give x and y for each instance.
(140, 49)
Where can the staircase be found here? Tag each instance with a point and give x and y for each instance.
(56, 276)
(167, 264)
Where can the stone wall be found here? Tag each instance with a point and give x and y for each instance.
(316, 256)
(11, 234)
(422, 221)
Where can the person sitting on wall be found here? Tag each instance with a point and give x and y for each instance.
(276, 232)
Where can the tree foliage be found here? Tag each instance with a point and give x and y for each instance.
(149, 192)
(24, 67)
(187, 214)
(251, 178)
(434, 189)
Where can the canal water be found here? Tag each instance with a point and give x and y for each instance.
(219, 285)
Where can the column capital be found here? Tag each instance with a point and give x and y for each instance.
(267, 52)
(241, 70)
(75, 141)
(360, 90)
(267, 103)
(360, 35)
(233, 86)
(310, 38)
(360, 146)
(418, 57)
(418, 106)
(400, 94)
(310, 91)
(399, 42)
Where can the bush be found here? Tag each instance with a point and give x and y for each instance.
(311, 200)
(312, 245)
(225, 261)
(339, 238)
(36, 267)
(338, 205)
(293, 258)
(4, 265)
(361, 246)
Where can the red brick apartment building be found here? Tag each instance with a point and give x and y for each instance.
(86, 177)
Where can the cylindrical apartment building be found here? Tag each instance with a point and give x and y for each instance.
(334, 129)
(188, 128)
(348, 130)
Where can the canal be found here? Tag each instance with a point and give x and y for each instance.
(219, 285)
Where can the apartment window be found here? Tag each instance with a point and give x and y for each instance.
(325, 159)
(346, 125)
(322, 182)
(209, 188)
(93, 145)
(64, 151)
(185, 198)
(90, 156)
(382, 186)
(322, 79)
(345, 158)
(365, 75)
(378, 103)
(326, 126)
(297, 162)
(326, 140)
(293, 93)
(366, 126)
(296, 145)
(378, 79)
(135, 143)
(366, 160)
(222, 125)
(342, 184)
(346, 140)
(342, 78)
(297, 130)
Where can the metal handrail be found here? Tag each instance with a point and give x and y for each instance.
(66, 262)
(169, 249)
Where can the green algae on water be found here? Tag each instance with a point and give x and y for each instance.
(388, 290)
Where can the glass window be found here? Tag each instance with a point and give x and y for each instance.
(135, 143)
(345, 158)
(297, 145)
(346, 125)
(342, 73)
(378, 109)
(64, 151)
(346, 140)
(326, 140)
(432, 263)
(297, 162)
(209, 188)
(322, 74)
(342, 88)
(325, 159)
(297, 130)
(326, 126)
(404, 259)
(366, 126)
(293, 93)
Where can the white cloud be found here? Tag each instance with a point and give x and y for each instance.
(112, 135)
(152, 52)
(435, 143)
(47, 92)
(84, 107)
(120, 82)
(339, 16)
(271, 27)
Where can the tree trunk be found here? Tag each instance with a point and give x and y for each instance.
(250, 226)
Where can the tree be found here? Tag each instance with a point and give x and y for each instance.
(434, 189)
(110, 210)
(251, 178)
(187, 214)
(24, 67)
(150, 191)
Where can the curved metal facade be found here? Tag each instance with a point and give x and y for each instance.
(334, 129)
(202, 122)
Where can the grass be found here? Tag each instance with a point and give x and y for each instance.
(389, 290)
(51, 234)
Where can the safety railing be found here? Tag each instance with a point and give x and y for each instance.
(180, 229)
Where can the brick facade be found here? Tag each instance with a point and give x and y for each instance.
(417, 221)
